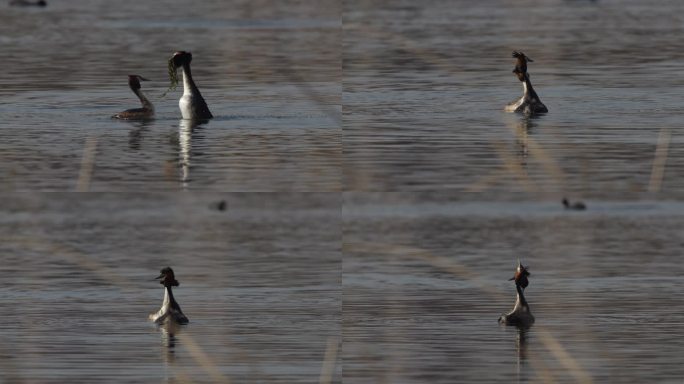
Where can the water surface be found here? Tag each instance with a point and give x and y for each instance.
(425, 86)
(269, 71)
(260, 283)
(426, 278)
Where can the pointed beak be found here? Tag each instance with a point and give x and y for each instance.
(512, 278)
(530, 60)
(158, 277)
(143, 79)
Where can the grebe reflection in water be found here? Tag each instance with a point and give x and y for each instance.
(521, 314)
(170, 310)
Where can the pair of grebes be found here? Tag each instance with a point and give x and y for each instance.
(192, 104)
(170, 311)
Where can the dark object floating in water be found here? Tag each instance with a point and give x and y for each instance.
(220, 205)
(577, 206)
(520, 315)
(26, 3)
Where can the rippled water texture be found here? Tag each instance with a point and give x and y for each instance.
(270, 72)
(260, 283)
(425, 280)
(425, 85)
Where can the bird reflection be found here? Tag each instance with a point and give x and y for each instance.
(136, 134)
(186, 129)
(168, 332)
(168, 336)
(522, 129)
(521, 348)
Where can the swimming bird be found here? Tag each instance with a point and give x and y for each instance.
(520, 315)
(192, 104)
(577, 206)
(529, 103)
(170, 310)
(147, 110)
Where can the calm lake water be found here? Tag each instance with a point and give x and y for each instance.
(270, 72)
(425, 85)
(260, 283)
(426, 278)
(426, 193)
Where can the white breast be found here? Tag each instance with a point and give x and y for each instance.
(185, 104)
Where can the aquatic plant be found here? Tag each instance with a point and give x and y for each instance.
(173, 78)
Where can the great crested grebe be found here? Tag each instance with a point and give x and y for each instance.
(577, 206)
(529, 103)
(170, 310)
(147, 110)
(520, 315)
(192, 104)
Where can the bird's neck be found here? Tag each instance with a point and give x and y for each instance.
(189, 86)
(520, 301)
(528, 90)
(143, 100)
(168, 297)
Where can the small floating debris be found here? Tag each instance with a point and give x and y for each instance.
(221, 205)
(576, 206)
(26, 3)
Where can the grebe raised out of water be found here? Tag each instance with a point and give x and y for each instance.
(170, 310)
(147, 110)
(520, 315)
(529, 103)
(192, 104)
(577, 206)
